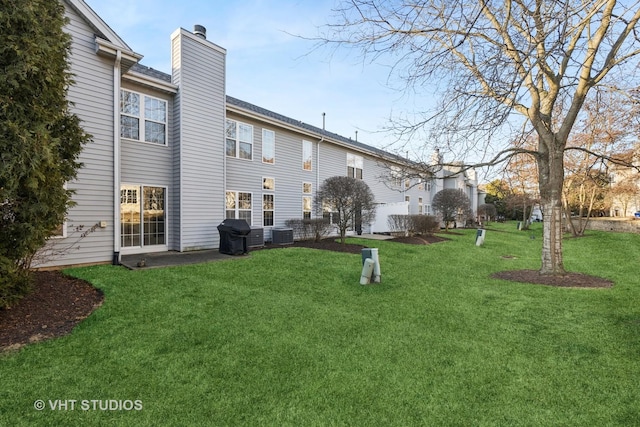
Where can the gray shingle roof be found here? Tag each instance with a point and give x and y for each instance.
(305, 126)
(148, 71)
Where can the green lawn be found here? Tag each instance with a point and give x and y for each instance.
(289, 337)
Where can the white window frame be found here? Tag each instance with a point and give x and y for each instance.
(265, 183)
(63, 225)
(268, 146)
(396, 177)
(272, 210)
(307, 155)
(355, 164)
(236, 209)
(140, 202)
(329, 213)
(307, 188)
(143, 99)
(307, 211)
(240, 129)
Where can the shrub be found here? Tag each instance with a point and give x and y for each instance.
(425, 224)
(398, 224)
(413, 224)
(308, 229)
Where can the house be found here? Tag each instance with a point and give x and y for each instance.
(625, 185)
(173, 155)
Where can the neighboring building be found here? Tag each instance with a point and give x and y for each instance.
(173, 156)
(625, 186)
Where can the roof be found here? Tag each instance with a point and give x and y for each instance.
(273, 116)
(301, 125)
(101, 28)
(148, 71)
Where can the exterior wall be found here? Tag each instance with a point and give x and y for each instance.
(246, 175)
(175, 238)
(329, 159)
(199, 71)
(92, 96)
(149, 164)
(193, 166)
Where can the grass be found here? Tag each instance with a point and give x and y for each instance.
(288, 337)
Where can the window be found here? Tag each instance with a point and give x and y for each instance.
(306, 207)
(420, 208)
(153, 216)
(354, 166)
(135, 107)
(307, 155)
(60, 231)
(407, 199)
(239, 140)
(329, 214)
(268, 146)
(142, 216)
(128, 195)
(395, 177)
(427, 185)
(268, 184)
(407, 183)
(238, 206)
(267, 209)
(427, 209)
(306, 187)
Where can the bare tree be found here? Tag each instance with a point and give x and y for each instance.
(522, 174)
(451, 204)
(493, 60)
(604, 129)
(350, 199)
(488, 210)
(625, 193)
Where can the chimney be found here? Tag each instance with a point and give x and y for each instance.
(200, 31)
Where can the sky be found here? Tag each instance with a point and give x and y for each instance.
(267, 63)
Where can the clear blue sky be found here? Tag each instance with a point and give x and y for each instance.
(266, 65)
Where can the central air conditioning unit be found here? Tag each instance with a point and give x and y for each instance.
(255, 238)
(282, 236)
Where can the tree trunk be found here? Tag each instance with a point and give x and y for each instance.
(551, 173)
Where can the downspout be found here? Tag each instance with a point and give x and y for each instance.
(116, 158)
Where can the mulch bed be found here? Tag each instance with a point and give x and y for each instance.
(567, 280)
(58, 302)
(54, 307)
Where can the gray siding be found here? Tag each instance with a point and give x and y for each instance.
(92, 95)
(246, 175)
(149, 164)
(199, 71)
(146, 163)
(175, 238)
